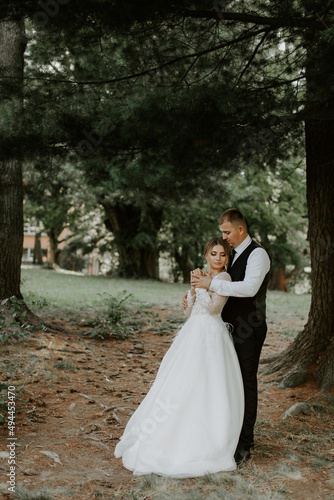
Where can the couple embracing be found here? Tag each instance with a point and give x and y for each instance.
(199, 415)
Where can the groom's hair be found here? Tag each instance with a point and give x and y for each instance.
(234, 216)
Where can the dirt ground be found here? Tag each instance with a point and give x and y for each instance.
(74, 395)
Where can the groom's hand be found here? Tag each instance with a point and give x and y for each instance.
(201, 281)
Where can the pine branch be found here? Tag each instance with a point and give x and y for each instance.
(277, 82)
(188, 70)
(247, 36)
(255, 19)
(252, 56)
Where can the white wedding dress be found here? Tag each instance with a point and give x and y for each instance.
(189, 422)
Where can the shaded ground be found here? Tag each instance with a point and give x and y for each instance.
(75, 395)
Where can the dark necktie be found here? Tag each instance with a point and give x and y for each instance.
(232, 255)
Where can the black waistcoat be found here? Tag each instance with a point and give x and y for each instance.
(248, 314)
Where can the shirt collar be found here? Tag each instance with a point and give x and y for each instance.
(243, 245)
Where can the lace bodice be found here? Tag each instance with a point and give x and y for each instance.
(205, 301)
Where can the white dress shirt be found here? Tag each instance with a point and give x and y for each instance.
(258, 265)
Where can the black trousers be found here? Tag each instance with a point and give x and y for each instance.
(248, 350)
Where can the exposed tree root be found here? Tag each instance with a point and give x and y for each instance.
(270, 359)
(297, 375)
(297, 364)
(301, 406)
(17, 321)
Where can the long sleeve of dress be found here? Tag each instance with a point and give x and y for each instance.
(190, 302)
(205, 301)
(213, 302)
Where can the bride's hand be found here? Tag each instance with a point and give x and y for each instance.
(202, 280)
(194, 276)
(197, 272)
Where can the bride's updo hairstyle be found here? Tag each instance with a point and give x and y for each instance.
(218, 241)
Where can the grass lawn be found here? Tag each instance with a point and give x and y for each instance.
(76, 293)
(70, 293)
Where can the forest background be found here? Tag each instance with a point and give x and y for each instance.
(152, 118)
(133, 125)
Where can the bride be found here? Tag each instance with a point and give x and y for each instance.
(189, 422)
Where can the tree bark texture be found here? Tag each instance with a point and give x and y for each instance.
(313, 349)
(12, 46)
(312, 352)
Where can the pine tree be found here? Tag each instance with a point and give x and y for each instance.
(12, 46)
(238, 86)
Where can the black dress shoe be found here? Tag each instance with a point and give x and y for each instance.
(241, 456)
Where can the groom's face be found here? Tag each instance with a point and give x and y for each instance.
(234, 235)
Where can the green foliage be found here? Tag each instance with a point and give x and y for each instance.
(52, 197)
(147, 142)
(186, 227)
(69, 258)
(14, 328)
(115, 311)
(40, 302)
(113, 325)
(274, 204)
(207, 102)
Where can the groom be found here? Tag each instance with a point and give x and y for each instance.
(246, 310)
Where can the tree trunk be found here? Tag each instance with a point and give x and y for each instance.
(12, 46)
(53, 250)
(135, 232)
(279, 279)
(183, 260)
(38, 249)
(313, 349)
